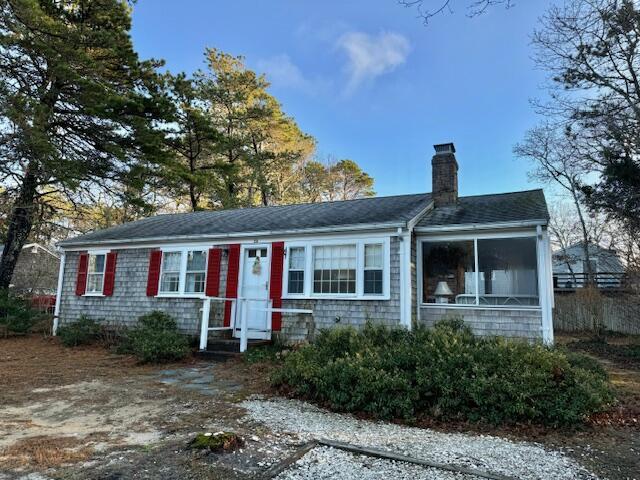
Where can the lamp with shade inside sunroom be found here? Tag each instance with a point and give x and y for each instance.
(443, 292)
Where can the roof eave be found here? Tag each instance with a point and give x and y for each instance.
(481, 226)
(75, 245)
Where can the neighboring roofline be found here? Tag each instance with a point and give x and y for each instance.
(45, 249)
(480, 226)
(591, 244)
(37, 245)
(71, 245)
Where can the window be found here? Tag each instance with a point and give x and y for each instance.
(373, 267)
(183, 272)
(260, 252)
(448, 272)
(196, 272)
(95, 273)
(334, 269)
(506, 274)
(170, 276)
(296, 270)
(350, 269)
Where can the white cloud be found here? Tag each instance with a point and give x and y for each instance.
(370, 56)
(281, 71)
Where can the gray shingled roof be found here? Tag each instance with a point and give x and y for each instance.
(367, 211)
(496, 208)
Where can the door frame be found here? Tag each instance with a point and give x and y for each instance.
(243, 248)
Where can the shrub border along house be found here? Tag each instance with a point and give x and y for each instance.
(444, 373)
(155, 339)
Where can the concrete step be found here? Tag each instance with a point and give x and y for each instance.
(223, 349)
(232, 344)
(217, 356)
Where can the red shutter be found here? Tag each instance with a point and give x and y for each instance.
(155, 259)
(232, 280)
(213, 273)
(110, 274)
(275, 284)
(81, 280)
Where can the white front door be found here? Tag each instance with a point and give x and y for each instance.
(255, 288)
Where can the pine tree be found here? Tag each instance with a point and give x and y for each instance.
(77, 107)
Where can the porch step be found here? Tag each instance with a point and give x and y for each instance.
(223, 349)
(232, 344)
(217, 356)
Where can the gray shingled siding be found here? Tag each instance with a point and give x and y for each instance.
(129, 299)
(526, 324)
(331, 313)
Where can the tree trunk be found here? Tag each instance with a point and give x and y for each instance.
(585, 236)
(20, 224)
(193, 198)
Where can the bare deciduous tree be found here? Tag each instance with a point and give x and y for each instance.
(590, 50)
(556, 160)
(427, 9)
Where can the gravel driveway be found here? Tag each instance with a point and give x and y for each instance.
(302, 422)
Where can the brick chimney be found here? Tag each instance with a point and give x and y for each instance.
(444, 173)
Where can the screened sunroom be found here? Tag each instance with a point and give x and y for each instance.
(488, 278)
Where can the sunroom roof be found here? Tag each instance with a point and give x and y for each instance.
(497, 208)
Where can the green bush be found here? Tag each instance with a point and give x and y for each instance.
(158, 320)
(274, 352)
(82, 332)
(155, 340)
(446, 373)
(16, 314)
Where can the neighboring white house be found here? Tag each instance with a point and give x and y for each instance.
(289, 270)
(570, 267)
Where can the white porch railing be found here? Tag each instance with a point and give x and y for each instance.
(239, 306)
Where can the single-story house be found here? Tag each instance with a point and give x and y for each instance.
(570, 269)
(289, 270)
(36, 272)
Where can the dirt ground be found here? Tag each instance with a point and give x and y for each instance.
(610, 446)
(84, 413)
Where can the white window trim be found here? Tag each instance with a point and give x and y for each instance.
(182, 275)
(89, 254)
(285, 291)
(365, 268)
(308, 272)
(475, 238)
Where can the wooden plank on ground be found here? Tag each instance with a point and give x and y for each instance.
(374, 452)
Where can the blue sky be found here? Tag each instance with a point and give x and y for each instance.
(370, 82)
